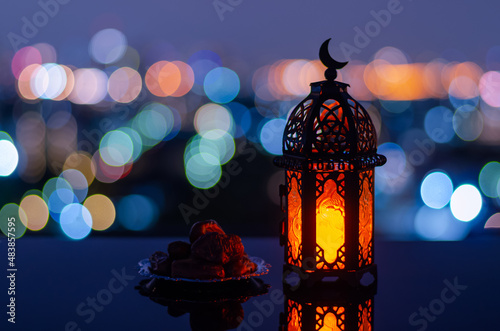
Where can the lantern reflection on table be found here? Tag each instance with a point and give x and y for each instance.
(348, 310)
(329, 153)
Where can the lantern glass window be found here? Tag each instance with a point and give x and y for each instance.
(330, 220)
(294, 199)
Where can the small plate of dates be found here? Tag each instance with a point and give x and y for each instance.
(210, 256)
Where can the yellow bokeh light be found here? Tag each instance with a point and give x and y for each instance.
(82, 162)
(35, 212)
(102, 210)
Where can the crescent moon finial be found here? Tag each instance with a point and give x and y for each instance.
(329, 62)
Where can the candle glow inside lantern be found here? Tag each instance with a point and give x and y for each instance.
(329, 154)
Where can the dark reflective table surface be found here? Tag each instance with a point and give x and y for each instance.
(91, 285)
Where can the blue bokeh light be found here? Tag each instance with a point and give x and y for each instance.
(395, 107)
(489, 179)
(221, 85)
(116, 148)
(468, 123)
(396, 161)
(241, 118)
(153, 123)
(203, 170)
(202, 62)
(218, 143)
(58, 200)
(271, 136)
(436, 190)
(54, 184)
(466, 202)
(76, 221)
(136, 140)
(439, 224)
(107, 46)
(438, 124)
(77, 181)
(137, 212)
(9, 158)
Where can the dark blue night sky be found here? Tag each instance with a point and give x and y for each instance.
(259, 32)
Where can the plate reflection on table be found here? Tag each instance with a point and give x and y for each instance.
(211, 306)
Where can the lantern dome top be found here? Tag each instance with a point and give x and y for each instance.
(329, 130)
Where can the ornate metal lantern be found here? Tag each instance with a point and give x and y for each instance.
(329, 154)
(351, 310)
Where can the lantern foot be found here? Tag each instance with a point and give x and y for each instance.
(295, 277)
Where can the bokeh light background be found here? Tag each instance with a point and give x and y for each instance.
(141, 121)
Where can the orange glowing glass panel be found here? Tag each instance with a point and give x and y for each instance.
(294, 221)
(330, 224)
(295, 319)
(364, 317)
(326, 320)
(365, 219)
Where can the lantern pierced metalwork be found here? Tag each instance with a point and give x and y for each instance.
(329, 153)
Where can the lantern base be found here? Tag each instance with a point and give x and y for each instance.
(365, 277)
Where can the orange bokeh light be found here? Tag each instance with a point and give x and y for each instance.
(163, 78)
(395, 81)
(70, 84)
(187, 79)
(24, 82)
